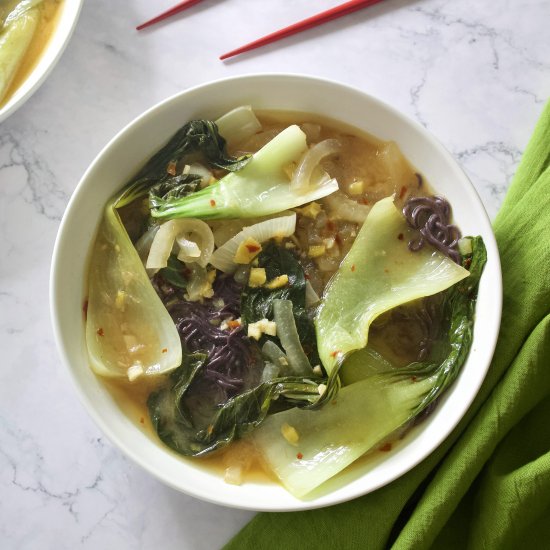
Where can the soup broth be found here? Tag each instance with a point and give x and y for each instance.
(367, 170)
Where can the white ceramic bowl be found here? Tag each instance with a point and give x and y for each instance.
(137, 142)
(70, 9)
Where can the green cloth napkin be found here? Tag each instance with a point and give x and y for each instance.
(488, 484)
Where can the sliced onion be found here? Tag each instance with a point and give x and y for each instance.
(302, 177)
(342, 208)
(238, 124)
(143, 244)
(188, 229)
(284, 226)
(290, 340)
(311, 296)
(199, 284)
(189, 250)
(202, 171)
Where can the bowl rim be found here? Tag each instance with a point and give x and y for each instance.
(40, 72)
(490, 337)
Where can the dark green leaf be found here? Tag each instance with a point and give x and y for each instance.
(196, 140)
(257, 303)
(175, 272)
(195, 427)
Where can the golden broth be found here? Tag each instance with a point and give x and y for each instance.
(384, 171)
(49, 16)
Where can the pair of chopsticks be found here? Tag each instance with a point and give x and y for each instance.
(308, 23)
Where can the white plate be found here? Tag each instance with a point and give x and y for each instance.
(70, 9)
(136, 143)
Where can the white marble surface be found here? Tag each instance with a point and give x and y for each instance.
(474, 73)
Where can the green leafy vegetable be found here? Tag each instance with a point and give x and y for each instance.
(174, 272)
(367, 412)
(18, 24)
(193, 424)
(129, 332)
(378, 274)
(257, 303)
(259, 189)
(173, 187)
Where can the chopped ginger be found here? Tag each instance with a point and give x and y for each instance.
(247, 251)
(316, 250)
(257, 277)
(311, 210)
(290, 434)
(356, 187)
(278, 282)
(263, 326)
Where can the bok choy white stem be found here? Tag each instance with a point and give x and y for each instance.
(129, 332)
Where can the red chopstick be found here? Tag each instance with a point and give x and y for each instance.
(168, 13)
(304, 24)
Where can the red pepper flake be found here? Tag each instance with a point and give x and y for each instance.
(331, 226)
(338, 239)
(400, 236)
(333, 402)
(403, 191)
(85, 309)
(171, 168)
(363, 201)
(164, 350)
(306, 276)
(335, 353)
(385, 448)
(233, 323)
(253, 248)
(467, 263)
(353, 267)
(299, 456)
(212, 202)
(413, 378)
(142, 420)
(100, 332)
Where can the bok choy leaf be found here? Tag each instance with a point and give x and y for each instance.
(367, 412)
(19, 22)
(192, 424)
(378, 274)
(259, 189)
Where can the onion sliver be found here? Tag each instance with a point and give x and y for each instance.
(288, 334)
(238, 124)
(223, 257)
(188, 229)
(312, 297)
(301, 179)
(342, 208)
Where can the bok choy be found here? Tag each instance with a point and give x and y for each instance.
(18, 24)
(261, 188)
(387, 398)
(129, 332)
